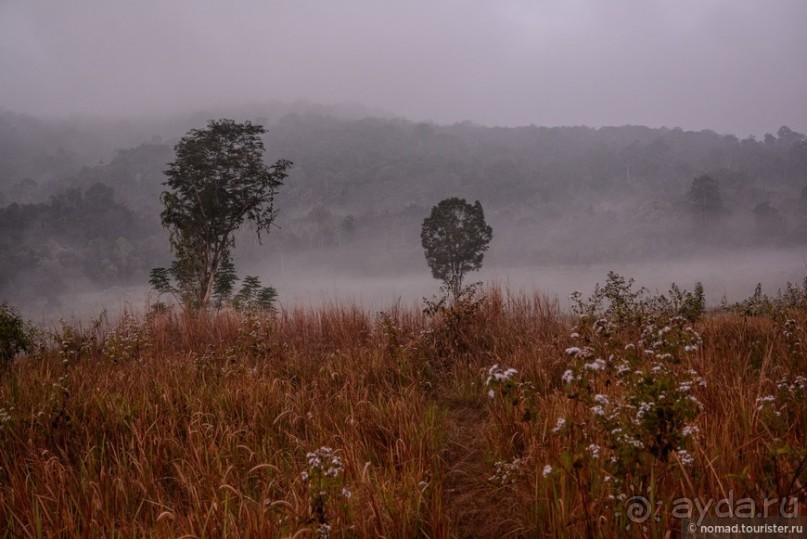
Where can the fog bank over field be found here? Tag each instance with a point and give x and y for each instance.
(730, 276)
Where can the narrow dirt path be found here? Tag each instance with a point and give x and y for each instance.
(468, 496)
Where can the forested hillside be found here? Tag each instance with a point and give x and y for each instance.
(79, 201)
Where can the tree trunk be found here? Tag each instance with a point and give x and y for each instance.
(210, 279)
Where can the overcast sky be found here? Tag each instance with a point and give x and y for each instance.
(735, 66)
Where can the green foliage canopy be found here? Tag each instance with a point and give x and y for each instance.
(455, 237)
(216, 183)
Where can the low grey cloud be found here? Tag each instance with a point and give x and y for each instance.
(735, 66)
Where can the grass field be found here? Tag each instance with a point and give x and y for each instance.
(494, 416)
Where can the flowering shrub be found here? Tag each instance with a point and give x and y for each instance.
(513, 406)
(254, 333)
(618, 306)
(73, 343)
(500, 381)
(760, 304)
(507, 472)
(777, 410)
(512, 399)
(776, 406)
(792, 334)
(636, 399)
(325, 480)
(127, 342)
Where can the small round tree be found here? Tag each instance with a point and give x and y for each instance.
(455, 237)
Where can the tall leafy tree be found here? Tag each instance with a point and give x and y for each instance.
(455, 237)
(216, 183)
(705, 200)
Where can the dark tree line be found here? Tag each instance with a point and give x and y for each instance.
(77, 233)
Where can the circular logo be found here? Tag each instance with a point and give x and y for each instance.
(638, 509)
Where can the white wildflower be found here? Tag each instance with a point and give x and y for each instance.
(547, 470)
(496, 375)
(601, 399)
(324, 531)
(600, 325)
(559, 424)
(568, 377)
(686, 457)
(690, 430)
(644, 407)
(596, 365)
(762, 401)
(323, 461)
(506, 472)
(491, 370)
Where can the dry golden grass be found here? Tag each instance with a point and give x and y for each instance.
(200, 425)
